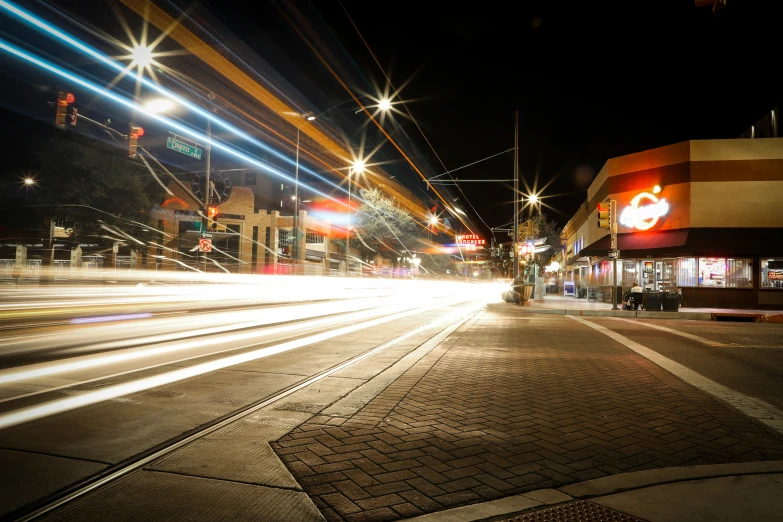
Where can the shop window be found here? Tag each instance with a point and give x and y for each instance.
(739, 273)
(712, 272)
(725, 273)
(686, 271)
(772, 273)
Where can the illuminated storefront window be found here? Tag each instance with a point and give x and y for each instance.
(725, 273)
(686, 272)
(772, 273)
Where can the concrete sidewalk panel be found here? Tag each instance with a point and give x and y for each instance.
(152, 495)
(602, 313)
(726, 499)
(550, 311)
(30, 476)
(693, 316)
(642, 479)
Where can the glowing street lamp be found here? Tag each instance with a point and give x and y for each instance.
(533, 198)
(29, 182)
(159, 105)
(384, 105)
(142, 56)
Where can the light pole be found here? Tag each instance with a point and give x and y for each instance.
(516, 195)
(358, 167)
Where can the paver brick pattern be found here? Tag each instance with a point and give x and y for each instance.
(510, 407)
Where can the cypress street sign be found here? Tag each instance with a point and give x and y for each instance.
(184, 148)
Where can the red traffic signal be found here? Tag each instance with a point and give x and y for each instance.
(212, 212)
(64, 115)
(133, 139)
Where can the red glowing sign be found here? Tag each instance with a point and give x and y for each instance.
(471, 239)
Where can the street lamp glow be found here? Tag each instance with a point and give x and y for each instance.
(159, 105)
(433, 221)
(533, 198)
(358, 166)
(29, 181)
(310, 118)
(142, 55)
(293, 198)
(384, 104)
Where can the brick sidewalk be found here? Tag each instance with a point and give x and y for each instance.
(515, 404)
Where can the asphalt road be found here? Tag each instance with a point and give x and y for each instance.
(746, 357)
(92, 381)
(135, 368)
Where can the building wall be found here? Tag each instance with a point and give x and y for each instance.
(239, 209)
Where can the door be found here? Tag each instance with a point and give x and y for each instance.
(668, 276)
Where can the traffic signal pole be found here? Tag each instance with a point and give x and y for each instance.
(207, 188)
(515, 254)
(613, 220)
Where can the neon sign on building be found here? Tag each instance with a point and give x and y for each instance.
(469, 241)
(644, 211)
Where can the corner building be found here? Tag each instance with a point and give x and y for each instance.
(704, 218)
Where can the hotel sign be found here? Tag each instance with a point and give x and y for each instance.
(470, 241)
(644, 211)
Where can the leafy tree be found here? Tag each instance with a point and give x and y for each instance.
(537, 227)
(383, 226)
(87, 181)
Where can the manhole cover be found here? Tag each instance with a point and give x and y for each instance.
(578, 511)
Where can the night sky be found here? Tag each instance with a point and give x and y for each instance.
(591, 79)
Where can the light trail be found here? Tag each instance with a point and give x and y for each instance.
(276, 315)
(112, 392)
(30, 58)
(106, 60)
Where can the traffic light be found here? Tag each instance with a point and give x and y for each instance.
(70, 115)
(133, 139)
(605, 216)
(63, 110)
(212, 214)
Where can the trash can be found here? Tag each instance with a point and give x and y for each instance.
(652, 301)
(670, 301)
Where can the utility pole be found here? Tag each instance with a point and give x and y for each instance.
(207, 188)
(613, 214)
(515, 254)
(295, 249)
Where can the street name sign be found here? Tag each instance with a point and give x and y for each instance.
(205, 245)
(184, 148)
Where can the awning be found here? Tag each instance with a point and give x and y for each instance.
(706, 242)
(639, 244)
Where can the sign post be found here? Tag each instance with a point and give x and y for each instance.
(614, 253)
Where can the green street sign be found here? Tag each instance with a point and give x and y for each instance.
(184, 148)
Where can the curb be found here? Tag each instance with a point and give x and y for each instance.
(543, 498)
(641, 314)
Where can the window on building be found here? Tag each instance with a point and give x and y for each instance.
(314, 237)
(284, 238)
(712, 272)
(687, 274)
(772, 273)
(739, 273)
(250, 178)
(579, 244)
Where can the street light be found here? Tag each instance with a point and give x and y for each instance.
(29, 181)
(142, 55)
(384, 105)
(159, 105)
(533, 199)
